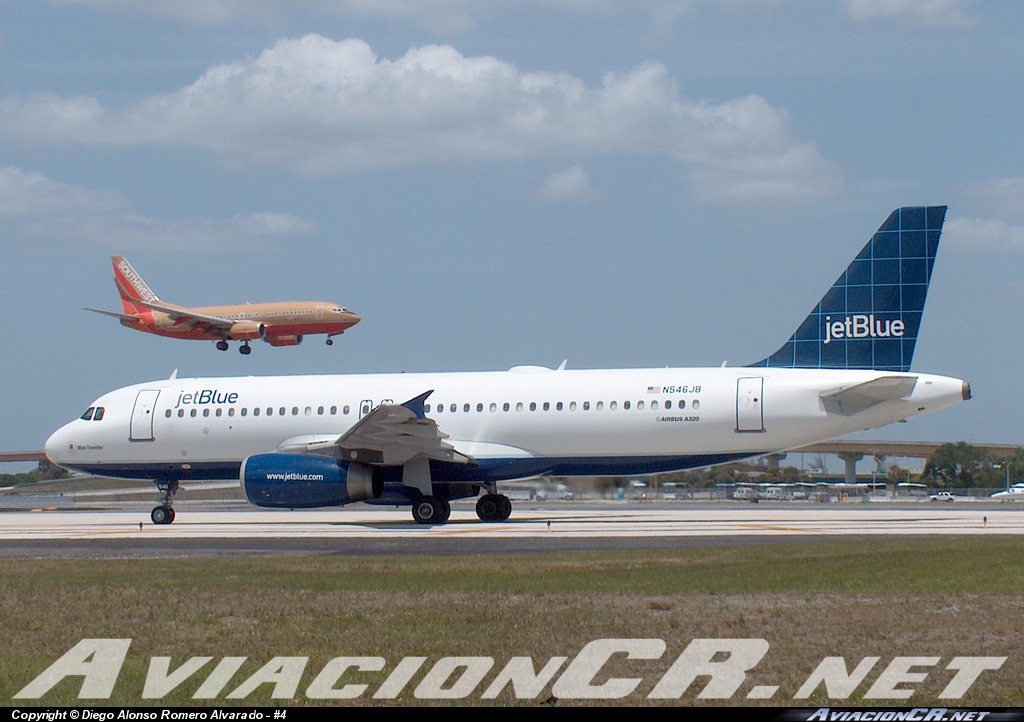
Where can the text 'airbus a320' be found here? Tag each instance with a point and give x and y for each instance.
(317, 441)
(279, 324)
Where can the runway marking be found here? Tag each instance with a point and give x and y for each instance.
(606, 523)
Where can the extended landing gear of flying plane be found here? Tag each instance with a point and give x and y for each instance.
(164, 514)
(222, 345)
(330, 341)
(493, 507)
(245, 349)
(431, 510)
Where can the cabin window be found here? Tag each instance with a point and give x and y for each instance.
(668, 404)
(519, 406)
(295, 411)
(558, 406)
(479, 407)
(440, 408)
(494, 406)
(533, 406)
(244, 411)
(654, 405)
(87, 416)
(192, 413)
(453, 408)
(167, 413)
(231, 411)
(256, 411)
(625, 405)
(572, 406)
(600, 405)
(220, 412)
(181, 413)
(613, 405)
(319, 410)
(465, 407)
(547, 406)
(281, 411)
(270, 411)
(681, 405)
(206, 413)
(696, 404)
(640, 405)
(505, 406)
(586, 406)
(426, 408)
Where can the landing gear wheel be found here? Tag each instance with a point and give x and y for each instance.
(493, 507)
(245, 349)
(506, 507)
(429, 510)
(446, 510)
(488, 508)
(222, 345)
(330, 342)
(162, 515)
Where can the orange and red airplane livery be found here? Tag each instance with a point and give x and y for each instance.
(279, 324)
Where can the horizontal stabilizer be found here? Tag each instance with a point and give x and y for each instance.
(854, 399)
(122, 316)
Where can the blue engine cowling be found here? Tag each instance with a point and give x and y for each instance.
(298, 481)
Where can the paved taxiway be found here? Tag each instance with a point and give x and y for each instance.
(202, 530)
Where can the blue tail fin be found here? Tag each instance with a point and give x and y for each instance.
(870, 317)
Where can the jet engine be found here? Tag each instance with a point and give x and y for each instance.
(247, 330)
(299, 481)
(284, 340)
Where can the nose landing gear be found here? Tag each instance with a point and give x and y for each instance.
(164, 514)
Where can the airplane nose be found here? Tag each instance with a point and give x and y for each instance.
(56, 447)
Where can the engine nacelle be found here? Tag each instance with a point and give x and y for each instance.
(302, 481)
(284, 340)
(247, 330)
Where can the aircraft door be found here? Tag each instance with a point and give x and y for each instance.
(142, 415)
(319, 313)
(365, 407)
(749, 404)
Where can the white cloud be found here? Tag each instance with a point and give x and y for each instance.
(1005, 195)
(316, 106)
(572, 184)
(47, 210)
(935, 13)
(982, 234)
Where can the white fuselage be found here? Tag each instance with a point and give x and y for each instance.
(520, 422)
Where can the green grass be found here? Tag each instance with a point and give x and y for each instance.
(904, 597)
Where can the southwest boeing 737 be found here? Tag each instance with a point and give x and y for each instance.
(317, 441)
(279, 324)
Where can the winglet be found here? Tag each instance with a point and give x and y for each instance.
(870, 317)
(416, 405)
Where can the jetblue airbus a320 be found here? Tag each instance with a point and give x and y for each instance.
(426, 439)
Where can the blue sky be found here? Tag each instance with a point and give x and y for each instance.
(494, 183)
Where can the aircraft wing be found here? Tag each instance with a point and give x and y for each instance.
(185, 315)
(390, 435)
(854, 399)
(122, 316)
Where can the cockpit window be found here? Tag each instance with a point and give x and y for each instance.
(99, 413)
(87, 416)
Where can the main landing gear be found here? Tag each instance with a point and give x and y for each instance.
(431, 510)
(493, 507)
(222, 345)
(164, 514)
(245, 349)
